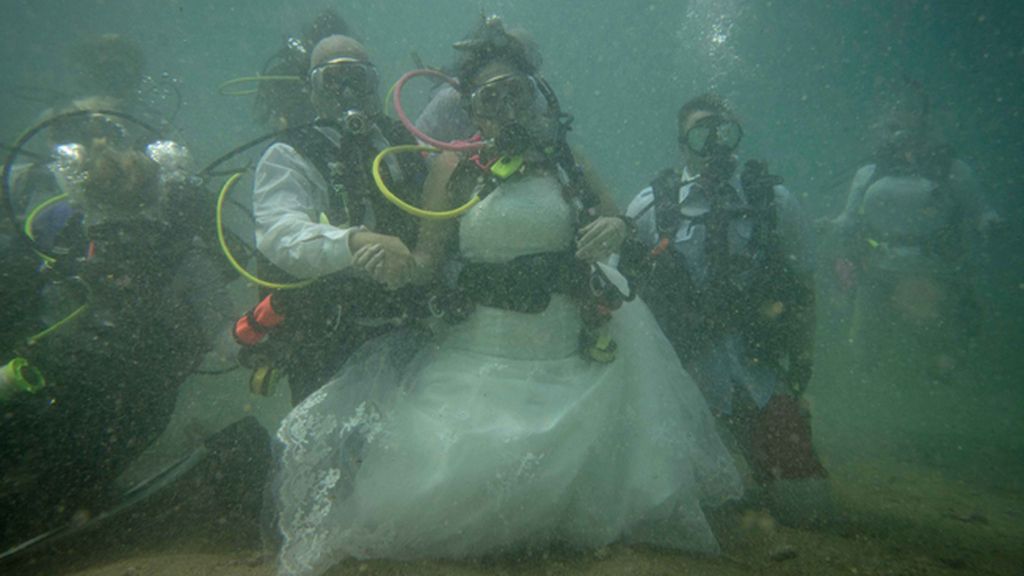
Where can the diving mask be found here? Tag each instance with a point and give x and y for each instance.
(508, 92)
(352, 81)
(712, 134)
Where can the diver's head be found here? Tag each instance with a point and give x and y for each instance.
(497, 71)
(109, 65)
(108, 183)
(709, 135)
(911, 151)
(343, 83)
(502, 102)
(911, 141)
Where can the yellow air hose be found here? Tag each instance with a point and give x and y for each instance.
(227, 251)
(30, 220)
(49, 260)
(56, 326)
(405, 206)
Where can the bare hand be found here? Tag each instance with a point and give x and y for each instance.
(387, 261)
(601, 238)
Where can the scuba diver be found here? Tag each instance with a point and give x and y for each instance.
(84, 397)
(722, 260)
(108, 73)
(34, 182)
(319, 218)
(512, 430)
(910, 234)
(35, 196)
(445, 117)
(284, 101)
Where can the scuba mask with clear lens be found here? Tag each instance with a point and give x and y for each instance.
(713, 135)
(511, 92)
(352, 83)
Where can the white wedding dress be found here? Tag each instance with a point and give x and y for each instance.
(499, 436)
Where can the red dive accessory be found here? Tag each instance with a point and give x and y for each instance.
(252, 327)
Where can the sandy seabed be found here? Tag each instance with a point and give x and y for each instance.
(903, 519)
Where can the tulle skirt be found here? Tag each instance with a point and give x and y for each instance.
(498, 436)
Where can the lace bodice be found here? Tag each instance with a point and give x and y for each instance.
(524, 216)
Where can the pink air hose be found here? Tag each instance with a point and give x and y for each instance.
(453, 146)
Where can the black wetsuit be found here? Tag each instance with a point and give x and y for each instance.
(112, 378)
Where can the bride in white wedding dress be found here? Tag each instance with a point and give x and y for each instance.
(498, 435)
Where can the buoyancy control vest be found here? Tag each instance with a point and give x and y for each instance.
(353, 198)
(308, 324)
(755, 293)
(944, 242)
(527, 283)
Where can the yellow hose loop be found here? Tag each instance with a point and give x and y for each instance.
(39, 210)
(227, 88)
(78, 312)
(405, 206)
(227, 251)
(30, 220)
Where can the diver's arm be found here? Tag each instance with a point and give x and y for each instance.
(794, 233)
(287, 202)
(434, 234)
(444, 118)
(634, 255)
(858, 186)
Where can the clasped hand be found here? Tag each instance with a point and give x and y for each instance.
(387, 260)
(601, 238)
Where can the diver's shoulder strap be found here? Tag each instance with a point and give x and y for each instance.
(313, 146)
(758, 185)
(575, 180)
(340, 165)
(667, 217)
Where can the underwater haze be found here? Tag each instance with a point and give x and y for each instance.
(929, 471)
